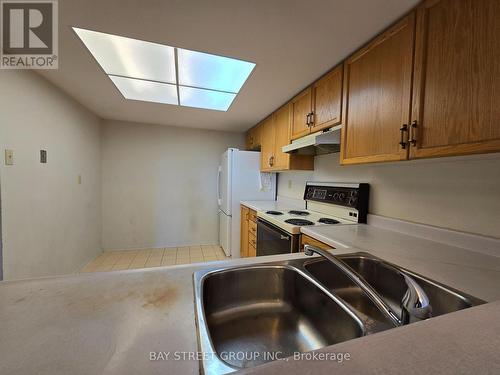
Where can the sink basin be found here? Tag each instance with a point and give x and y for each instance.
(251, 315)
(340, 284)
(389, 284)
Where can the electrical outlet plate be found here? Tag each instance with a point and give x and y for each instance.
(9, 157)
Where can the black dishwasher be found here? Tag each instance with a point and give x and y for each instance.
(272, 240)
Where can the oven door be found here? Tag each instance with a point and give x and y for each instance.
(272, 240)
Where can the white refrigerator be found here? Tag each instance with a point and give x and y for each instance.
(238, 179)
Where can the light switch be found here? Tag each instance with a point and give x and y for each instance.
(9, 157)
(43, 156)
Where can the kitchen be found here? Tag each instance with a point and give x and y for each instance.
(224, 187)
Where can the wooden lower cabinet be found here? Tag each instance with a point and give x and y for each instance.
(244, 231)
(248, 235)
(306, 240)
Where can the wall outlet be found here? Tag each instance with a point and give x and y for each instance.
(9, 157)
(43, 156)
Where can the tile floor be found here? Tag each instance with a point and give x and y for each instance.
(132, 259)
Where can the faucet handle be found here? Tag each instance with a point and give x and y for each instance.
(415, 302)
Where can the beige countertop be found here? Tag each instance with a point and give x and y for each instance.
(108, 323)
(279, 205)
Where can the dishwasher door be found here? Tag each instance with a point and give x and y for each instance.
(272, 240)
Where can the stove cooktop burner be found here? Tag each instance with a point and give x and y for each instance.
(326, 220)
(274, 212)
(299, 213)
(299, 222)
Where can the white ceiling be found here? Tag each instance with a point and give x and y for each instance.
(292, 42)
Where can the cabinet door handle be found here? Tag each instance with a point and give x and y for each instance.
(311, 121)
(403, 130)
(413, 132)
(307, 119)
(271, 161)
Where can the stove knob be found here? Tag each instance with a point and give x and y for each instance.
(352, 201)
(336, 196)
(341, 196)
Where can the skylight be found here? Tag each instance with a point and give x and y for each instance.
(158, 73)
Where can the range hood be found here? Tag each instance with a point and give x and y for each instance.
(322, 142)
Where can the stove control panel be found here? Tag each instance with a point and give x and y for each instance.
(348, 195)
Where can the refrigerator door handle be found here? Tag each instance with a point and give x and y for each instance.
(219, 172)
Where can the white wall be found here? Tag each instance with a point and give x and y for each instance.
(457, 193)
(159, 184)
(51, 223)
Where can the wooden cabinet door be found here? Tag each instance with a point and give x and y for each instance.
(456, 90)
(267, 140)
(252, 251)
(306, 240)
(249, 139)
(377, 96)
(282, 137)
(253, 138)
(244, 231)
(301, 107)
(327, 100)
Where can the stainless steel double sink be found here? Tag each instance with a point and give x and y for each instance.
(254, 314)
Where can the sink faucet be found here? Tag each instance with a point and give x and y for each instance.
(415, 304)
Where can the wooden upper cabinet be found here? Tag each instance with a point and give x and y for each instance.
(282, 137)
(327, 100)
(249, 140)
(301, 109)
(253, 138)
(377, 96)
(456, 91)
(268, 134)
(275, 133)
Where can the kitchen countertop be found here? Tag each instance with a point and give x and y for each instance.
(108, 323)
(279, 205)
